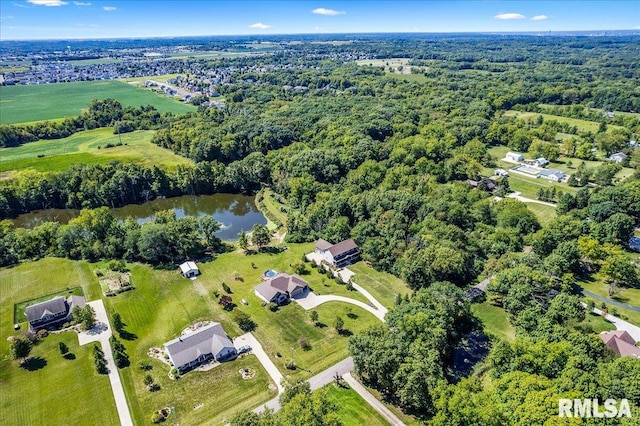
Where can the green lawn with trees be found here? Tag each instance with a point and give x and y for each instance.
(99, 146)
(50, 101)
(353, 410)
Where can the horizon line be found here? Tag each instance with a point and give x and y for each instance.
(633, 30)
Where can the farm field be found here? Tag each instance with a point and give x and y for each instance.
(582, 125)
(33, 396)
(20, 104)
(353, 410)
(83, 147)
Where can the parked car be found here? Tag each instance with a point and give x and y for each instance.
(243, 349)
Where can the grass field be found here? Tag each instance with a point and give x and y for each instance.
(407, 419)
(19, 104)
(582, 125)
(352, 409)
(35, 397)
(381, 285)
(494, 320)
(83, 148)
(545, 214)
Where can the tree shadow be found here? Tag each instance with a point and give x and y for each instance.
(125, 335)
(33, 364)
(70, 356)
(344, 332)
(320, 324)
(352, 315)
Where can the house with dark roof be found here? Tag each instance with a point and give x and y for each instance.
(53, 312)
(338, 255)
(281, 288)
(201, 345)
(621, 342)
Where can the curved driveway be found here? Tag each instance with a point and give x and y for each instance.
(311, 300)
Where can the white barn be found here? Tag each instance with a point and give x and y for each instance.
(514, 157)
(189, 269)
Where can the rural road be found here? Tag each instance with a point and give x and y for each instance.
(101, 333)
(372, 400)
(316, 382)
(607, 300)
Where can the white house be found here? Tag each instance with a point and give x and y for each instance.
(514, 157)
(554, 175)
(618, 157)
(203, 344)
(189, 269)
(338, 255)
(501, 172)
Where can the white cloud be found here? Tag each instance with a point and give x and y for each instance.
(48, 3)
(327, 12)
(109, 8)
(79, 3)
(21, 5)
(6, 18)
(540, 18)
(509, 16)
(260, 26)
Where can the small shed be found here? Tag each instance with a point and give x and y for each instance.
(189, 269)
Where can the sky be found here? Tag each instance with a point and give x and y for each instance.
(63, 19)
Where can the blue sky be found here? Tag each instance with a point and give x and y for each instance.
(56, 19)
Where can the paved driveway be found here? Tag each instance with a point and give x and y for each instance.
(311, 300)
(101, 333)
(632, 329)
(256, 349)
(372, 401)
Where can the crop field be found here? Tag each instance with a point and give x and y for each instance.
(87, 147)
(20, 104)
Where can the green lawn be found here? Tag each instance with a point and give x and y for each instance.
(545, 214)
(352, 408)
(494, 320)
(407, 419)
(583, 125)
(381, 285)
(21, 104)
(34, 397)
(598, 323)
(273, 208)
(629, 296)
(88, 147)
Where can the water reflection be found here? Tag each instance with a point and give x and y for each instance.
(235, 212)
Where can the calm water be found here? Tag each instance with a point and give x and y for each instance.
(234, 212)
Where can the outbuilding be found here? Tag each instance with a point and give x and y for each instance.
(189, 269)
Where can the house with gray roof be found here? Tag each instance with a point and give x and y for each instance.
(618, 157)
(201, 345)
(53, 312)
(338, 255)
(554, 175)
(281, 288)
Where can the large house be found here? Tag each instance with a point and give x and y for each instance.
(621, 342)
(281, 288)
(340, 254)
(203, 344)
(189, 269)
(52, 312)
(554, 175)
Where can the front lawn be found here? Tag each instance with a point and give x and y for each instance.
(495, 320)
(383, 286)
(51, 389)
(353, 410)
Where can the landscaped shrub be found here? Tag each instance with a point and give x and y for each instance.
(64, 349)
(226, 288)
(300, 268)
(350, 286)
(145, 366)
(273, 307)
(302, 342)
(118, 266)
(245, 322)
(290, 364)
(119, 353)
(99, 361)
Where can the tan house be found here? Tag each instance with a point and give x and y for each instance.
(281, 288)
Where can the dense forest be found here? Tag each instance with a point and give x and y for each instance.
(384, 158)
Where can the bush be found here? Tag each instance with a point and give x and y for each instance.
(350, 286)
(145, 366)
(64, 349)
(119, 353)
(245, 322)
(302, 342)
(226, 288)
(300, 268)
(290, 364)
(273, 307)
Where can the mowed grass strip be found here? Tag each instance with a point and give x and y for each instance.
(353, 410)
(381, 285)
(57, 390)
(88, 147)
(50, 101)
(495, 320)
(582, 125)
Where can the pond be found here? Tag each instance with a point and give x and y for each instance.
(235, 212)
